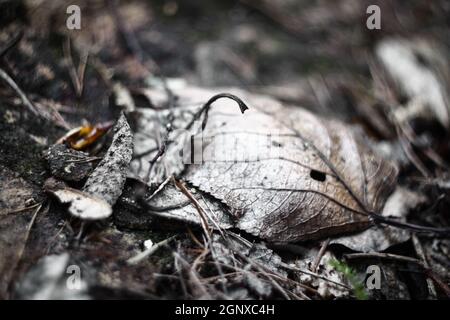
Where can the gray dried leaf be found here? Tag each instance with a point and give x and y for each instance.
(287, 174)
(150, 131)
(83, 205)
(172, 204)
(393, 286)
(284, 174)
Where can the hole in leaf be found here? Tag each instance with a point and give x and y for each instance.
(317, 175)
(276, 144)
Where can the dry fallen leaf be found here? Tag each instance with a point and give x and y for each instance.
(82, 137)
(319, 182)
(83, 205)
(105, 184)
(285, 174)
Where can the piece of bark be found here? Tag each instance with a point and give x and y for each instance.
(108, 178)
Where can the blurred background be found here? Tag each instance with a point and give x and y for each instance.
(319, 54)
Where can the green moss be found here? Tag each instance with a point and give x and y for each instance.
(358, 287)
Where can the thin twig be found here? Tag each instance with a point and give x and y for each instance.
(194, 280)
(76, 74)
(205, 108)
(266, 274)
(19, 92)
(27, 235)
(148, 252)
(161, 151)
(313, 274)
(25, 208)
(199, 258)
(203, 219)
(211, 218)
(382, 255)
(194, 238)
(180, 274)
(11, 43)
(420, 252)
(322, 250)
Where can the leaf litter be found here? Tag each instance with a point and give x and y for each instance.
(105, 184)
(264, 214)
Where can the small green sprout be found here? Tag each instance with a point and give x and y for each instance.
(358, 287)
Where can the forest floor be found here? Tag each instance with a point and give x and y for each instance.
(318, 55)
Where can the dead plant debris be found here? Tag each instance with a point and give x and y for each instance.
(283, 152)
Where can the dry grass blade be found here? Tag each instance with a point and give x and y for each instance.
(197, 205)
(27, 103)
(148, 252)
(313, 274)
(198, 289)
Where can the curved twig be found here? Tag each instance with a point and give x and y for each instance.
(205, 108)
